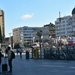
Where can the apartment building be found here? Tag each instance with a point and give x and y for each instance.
(73, 22)
(2, 25)
(25, 33)
(16, 35)
(48, 30)
(51, 29)
(65, 26)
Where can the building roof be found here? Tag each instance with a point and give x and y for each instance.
(49, 25)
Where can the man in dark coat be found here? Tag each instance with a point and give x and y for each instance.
(1, 55)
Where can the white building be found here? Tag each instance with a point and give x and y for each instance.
(25, 33)
(65, 26)
(73, 21)
(22, 34)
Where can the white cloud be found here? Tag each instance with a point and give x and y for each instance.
(27, 16)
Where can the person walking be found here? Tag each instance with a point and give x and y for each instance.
(17, 51)
(20, 51)
(9, 56)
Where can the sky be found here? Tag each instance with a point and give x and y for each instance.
(33, 13)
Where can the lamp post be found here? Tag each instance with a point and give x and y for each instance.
(32, 47)
(39, 34)
(60, 31)
(10, 39)
(31, 39)
(42, 46)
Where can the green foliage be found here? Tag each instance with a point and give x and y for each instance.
(39, 34)
(25, 44)
(16, 45)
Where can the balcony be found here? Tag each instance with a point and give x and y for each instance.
(51, 29)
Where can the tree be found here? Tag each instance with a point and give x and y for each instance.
(25, 44)
(39, 34)
(16, 45)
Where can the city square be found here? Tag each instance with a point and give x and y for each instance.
(37, 37)
(23, 66)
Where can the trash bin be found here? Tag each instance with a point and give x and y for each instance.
(36, 53)
(27, 55)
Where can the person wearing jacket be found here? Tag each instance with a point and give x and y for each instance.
(9, 53)
(1, 55)
(20, 51)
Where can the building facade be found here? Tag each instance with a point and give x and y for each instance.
(16, 35)
(48, 30)
(51, 29)
(25, 33)
(73, 22)
(65, 26)
(2, 26)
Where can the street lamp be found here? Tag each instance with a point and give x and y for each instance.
(31, 39)
(10, 39)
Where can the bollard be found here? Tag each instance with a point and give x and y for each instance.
(27, 55)
(32, 52)
(36, 53)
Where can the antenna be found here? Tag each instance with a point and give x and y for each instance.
(60, 23)
(59, 16)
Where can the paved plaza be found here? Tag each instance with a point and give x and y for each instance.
(21, 66)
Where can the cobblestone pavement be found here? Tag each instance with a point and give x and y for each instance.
(22, 66)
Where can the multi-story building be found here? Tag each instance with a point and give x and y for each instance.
(24, 34)
(50, 29)
(2, 26)
(16, 35)
(65, 26)
(73, 22)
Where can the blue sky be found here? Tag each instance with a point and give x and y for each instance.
(33, 13)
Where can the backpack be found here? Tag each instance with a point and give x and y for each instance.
(12, 55)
